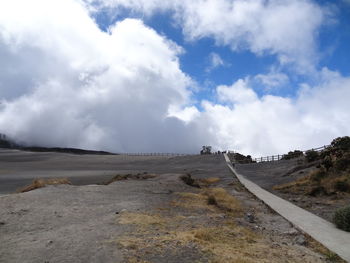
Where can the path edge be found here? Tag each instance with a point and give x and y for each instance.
(342, 251)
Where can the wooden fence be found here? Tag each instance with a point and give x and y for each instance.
(281, 156)
(154, 154)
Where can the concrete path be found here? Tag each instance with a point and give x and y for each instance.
(321, 230)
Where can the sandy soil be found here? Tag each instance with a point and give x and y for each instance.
(161, 219)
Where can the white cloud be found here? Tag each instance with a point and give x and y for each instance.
(272, 79)
(187, 114)
(273, 124)
(215, 61)
(67, 83)
(238, 93)
(287, 29)
(64, 82)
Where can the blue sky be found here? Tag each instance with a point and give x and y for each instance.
(332, 44)
(256, 76)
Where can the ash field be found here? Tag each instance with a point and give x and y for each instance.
(139, 209)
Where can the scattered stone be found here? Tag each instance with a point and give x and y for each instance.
(300, 240)
(250, 217)
(291, 232)
(162, 192)
(49, 243)
(19, 212)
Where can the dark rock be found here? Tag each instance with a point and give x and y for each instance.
(300, 240)
(250, 218)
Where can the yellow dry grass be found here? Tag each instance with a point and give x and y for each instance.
(210, 199)
(330, 256)
(221, 242)
(226, 243)
(297, 183)
(304, 185)
(209, 181)
(38, 183)
(121, 177)
(223, 199)
(140, 219)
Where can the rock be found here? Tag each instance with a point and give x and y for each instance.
(250, 217)
(162, 192)
(291, 232)
(2, 223)
(49, 243)
(300, 240)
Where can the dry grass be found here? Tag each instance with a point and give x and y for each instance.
(192, 201)
(38, 183)
(140, 219)
(307, 185)
(210, 199)
(227, 243)
(121, 177)
(330, 256)
(209, 181)
(211, 240)
(223, 200)
(295, 184)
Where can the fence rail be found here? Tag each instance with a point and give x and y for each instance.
(155, 154)
(281, 156)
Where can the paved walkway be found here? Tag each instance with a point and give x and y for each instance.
(321, 230)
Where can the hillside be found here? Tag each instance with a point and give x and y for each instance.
(316, 181)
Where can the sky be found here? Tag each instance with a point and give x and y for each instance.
(260, 77)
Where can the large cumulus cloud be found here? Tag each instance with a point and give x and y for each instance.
(67, 83)
(64, 82)
(286, 29)
(274, 124)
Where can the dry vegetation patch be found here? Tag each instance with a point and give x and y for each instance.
(140, 219)
(209, 181)
(331, 174)
(225, 242)
(210, 199)
(195, 227)
(38, 183)
(316, 184)
(139, 176)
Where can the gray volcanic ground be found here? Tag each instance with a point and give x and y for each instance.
(19, 168)
(157, 219)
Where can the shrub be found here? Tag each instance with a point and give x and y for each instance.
(317, 175)
(341, 218)
(187, 179)
(240, 158)
(342, 143)
(211, 200)
(327, 162)
(342, 163)
(291, 155)
(311, 155)
(318, 190)
(342, 186)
